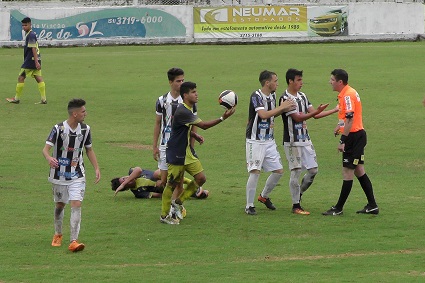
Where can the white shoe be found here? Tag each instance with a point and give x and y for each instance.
(177, 209)
(169, 220)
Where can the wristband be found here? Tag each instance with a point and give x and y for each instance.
(342, 139)
(221, 118)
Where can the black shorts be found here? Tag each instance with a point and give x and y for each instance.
(141, 193)
(354, 149)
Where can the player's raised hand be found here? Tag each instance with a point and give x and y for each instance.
(322, 107)
(229, 112)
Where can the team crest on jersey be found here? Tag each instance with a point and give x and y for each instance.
(74, 162)
(80, 137)
(63, 136)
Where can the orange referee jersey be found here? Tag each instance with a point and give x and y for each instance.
(349, 101)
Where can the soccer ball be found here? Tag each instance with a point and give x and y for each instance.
(227, 99)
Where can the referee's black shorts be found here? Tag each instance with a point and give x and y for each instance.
(354, 149)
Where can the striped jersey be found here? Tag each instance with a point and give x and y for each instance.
(68, 146)
(295, 133)
(259, 129)
(166, 106)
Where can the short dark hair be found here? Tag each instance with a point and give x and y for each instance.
(75, 103)
(173, 73)
(26, 20)
(115, 183)
(266, 76)
(340, 74)
(186, 87)
(292, 73)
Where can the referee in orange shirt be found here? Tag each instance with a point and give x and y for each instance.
(352, 143)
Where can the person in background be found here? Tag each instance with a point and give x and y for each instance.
(31, 66)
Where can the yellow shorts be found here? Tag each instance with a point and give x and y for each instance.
(29, 72)
(176, 172)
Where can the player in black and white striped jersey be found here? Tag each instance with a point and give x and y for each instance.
(67, 173)
(261, 149)
(298, 147)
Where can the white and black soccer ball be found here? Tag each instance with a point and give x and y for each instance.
(228, 99)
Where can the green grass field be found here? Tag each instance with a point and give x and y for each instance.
(217, 242)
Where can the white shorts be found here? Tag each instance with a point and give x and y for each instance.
(303, 157)
(262, 156)
(162, 161)
(65, 193)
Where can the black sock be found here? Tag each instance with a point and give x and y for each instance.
(345, 192)
(296, 205)
(368, 189)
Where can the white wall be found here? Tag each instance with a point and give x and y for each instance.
(369, 21)
(386, 18)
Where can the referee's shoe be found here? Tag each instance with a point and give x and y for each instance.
(368, 209)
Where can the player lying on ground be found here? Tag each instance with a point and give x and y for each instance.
(147, 184)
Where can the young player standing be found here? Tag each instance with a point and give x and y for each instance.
(261, 149)
(181, 156)
(31, 66)
(166, 106)
(67, 173)
(352, 143)
(299, 149)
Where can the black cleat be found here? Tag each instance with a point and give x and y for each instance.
(250, 210)
(368, 209)
(333, 211)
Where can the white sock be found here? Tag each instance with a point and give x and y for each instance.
(251, 187)
(294, 185)
(58, 216)
(271, 183)
(75, 222)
